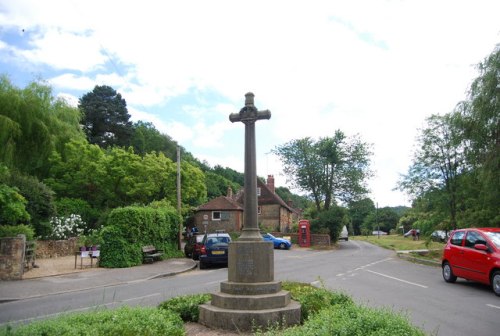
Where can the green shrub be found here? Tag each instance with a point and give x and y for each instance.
(351, 319)
(313, 299)
(186, 306)
(67, 206)
(116, 251)
(130, 228)
(124, 321)
(14, 230)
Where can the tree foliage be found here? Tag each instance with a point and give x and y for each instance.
(455, 174)
(32, 125)
(330, 169)
(105, 117)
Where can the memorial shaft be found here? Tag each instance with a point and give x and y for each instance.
(249, 115)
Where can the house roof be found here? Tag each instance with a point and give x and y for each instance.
(266, 197)
(220, 203)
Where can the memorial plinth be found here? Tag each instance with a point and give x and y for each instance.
(251, 298)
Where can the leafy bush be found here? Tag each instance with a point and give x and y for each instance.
(116, 251)
(12, 206)
(66, 227)
(40, 199)
(351, 319)
(314, 299)
(186, 306)
(67, 206)
(14, 230)
(122, 321)
(130, 228)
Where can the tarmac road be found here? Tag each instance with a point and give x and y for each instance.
(371, 275)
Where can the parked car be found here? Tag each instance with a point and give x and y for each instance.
(278, 243)
(473, 254)
(344, 234)
(376, 233)
(215, 249)
(193, 247)
(440, 236)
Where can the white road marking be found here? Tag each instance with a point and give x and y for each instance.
(493, 306)
(397, 279)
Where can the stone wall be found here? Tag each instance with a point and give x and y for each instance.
(316, 238)
(56, 248)
(12, 257)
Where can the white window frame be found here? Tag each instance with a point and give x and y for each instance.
(258, 191)
(218, 212)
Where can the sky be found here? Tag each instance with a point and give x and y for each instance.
(375, 68)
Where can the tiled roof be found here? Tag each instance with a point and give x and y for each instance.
(220, 203)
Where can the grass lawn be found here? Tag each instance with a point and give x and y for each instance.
(400, 243)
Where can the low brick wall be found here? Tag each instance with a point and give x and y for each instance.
(316, 238)
(12, 257)
(56, 248)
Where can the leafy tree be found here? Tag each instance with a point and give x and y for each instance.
(330, 169)
(217, 185)
(331, 221)
(298, 201)
(384, 219)
(230, 174)
(40, 203)
(437, 164)
(479, 121)
(358, 211)
(12, 206)
(146, 138)
(105, 117)
(32, 125)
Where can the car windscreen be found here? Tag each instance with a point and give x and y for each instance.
(495, 238)
(217, 240)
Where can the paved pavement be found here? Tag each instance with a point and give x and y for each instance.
(102, 277)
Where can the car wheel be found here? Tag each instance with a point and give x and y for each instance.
(196, 257)
(202, 265)
(448, 273)
(282, 246)
(495, 282)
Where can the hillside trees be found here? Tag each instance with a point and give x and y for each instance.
(105, 117)
(330, 169)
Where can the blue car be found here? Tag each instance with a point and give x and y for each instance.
(214, 249)
(278, 243)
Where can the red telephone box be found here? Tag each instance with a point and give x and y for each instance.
(304, 233)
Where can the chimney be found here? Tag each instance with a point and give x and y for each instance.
(270, 182)
(229, 192)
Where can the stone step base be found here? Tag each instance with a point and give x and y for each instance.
(251, 302)
(249, 320)
(256, 288)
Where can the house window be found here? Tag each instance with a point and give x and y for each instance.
(216, 215)
(259, 210)
(258, 191)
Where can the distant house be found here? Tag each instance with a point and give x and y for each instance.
(220, 213)
(226, 212)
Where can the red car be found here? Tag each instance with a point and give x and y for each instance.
(473, 254)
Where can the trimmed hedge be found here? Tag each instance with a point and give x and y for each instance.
(130, 228)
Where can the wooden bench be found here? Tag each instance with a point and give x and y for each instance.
(150, 254)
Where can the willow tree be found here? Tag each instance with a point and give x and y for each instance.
(330, 169)
(33, 123)
(437, 166)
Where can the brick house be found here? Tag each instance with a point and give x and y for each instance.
(221, 213)
(226, 212)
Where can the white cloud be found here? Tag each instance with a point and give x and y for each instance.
(377, 68)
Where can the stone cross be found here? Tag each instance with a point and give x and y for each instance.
(249, 115)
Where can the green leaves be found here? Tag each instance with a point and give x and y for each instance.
(330, 169)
